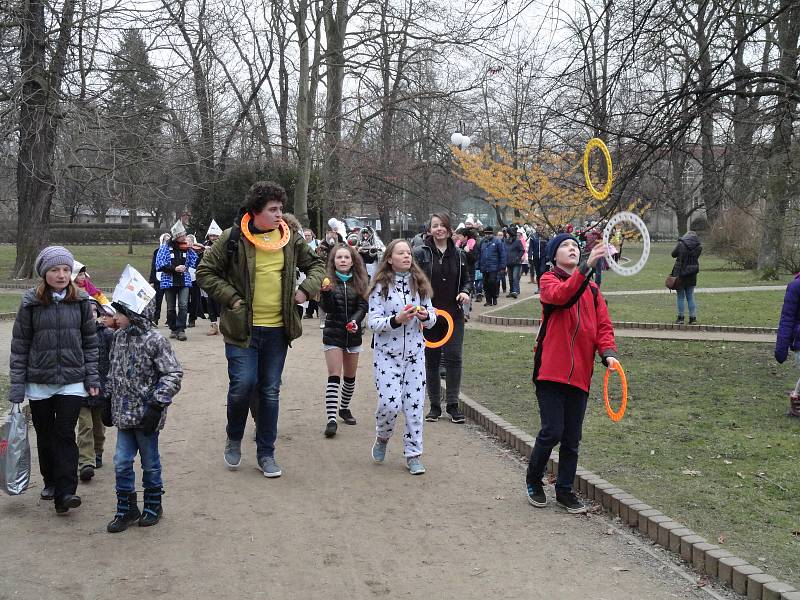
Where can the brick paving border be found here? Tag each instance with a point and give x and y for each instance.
(706, 558)
(529, 322)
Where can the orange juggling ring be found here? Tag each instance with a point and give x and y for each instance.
(616, 416)
(261, 241)
(446, 338)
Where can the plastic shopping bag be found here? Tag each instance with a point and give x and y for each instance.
(15, 453)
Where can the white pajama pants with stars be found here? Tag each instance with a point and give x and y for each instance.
(401, 385)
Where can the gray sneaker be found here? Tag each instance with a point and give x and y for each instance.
(233, 453)
(269, 467)
(414, 465)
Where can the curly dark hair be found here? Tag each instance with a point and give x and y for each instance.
(262, 192)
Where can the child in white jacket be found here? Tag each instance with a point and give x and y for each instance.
(399, 302)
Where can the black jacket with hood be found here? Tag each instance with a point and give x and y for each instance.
(687, 252)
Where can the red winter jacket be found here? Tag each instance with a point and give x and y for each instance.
(565, 353)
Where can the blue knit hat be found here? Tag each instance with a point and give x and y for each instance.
(554, 243)
(52, 256)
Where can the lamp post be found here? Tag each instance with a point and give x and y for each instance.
(460, 140)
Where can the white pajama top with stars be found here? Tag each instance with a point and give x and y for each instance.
(399, 362)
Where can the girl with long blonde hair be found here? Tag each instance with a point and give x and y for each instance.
(399, 303)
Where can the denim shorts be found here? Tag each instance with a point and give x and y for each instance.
(353, 350)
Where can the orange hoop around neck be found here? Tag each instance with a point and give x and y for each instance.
(261, 241)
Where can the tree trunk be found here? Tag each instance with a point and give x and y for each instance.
(37, 130)
(306, 97)
(335, 30)
(780, 188)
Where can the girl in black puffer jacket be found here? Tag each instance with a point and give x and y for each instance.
(343, 298)
(54, 365)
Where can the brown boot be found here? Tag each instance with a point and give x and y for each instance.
(794, 405)
(214, 330)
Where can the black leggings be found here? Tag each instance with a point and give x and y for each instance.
(449, 356)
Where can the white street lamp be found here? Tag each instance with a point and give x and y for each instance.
(460, 141)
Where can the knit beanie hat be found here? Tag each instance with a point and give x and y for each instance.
(52, 256)
(554, 243)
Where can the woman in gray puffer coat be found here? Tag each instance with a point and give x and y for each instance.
(54, 365)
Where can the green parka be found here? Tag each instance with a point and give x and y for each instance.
(228, 279)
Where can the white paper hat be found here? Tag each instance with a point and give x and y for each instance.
(213, 229)
(76, 268)
(132, 291)
(178, 229)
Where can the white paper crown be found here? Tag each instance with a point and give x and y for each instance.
(76, 268)
(213, 229)
(177, 229)
(132, 291)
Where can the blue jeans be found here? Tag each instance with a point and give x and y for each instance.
(514, 272)
(180, 296)
(129, 442)
(688, 294)
(256, 368)
(561, 409)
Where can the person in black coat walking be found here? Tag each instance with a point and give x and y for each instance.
(447, 268)
(686, 254)
(343, 298)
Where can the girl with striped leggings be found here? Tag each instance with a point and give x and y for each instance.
(343, 299)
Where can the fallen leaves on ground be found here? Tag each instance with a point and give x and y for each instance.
(692, 472)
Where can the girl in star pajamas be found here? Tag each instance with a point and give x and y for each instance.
(399, 302)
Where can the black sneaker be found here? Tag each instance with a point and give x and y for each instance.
(434, 414)
(679, 321)
(347, 416)
(48, 493)
(330, 429)
(181, 336)
(536, 495)
(67, 502)
(692, 320)
(87, 472)
(173, 335)
(456, 416)
(488, 303)
(571, 502)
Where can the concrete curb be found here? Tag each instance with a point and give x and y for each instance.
(8, 316)
(528, 322)
(706, 558)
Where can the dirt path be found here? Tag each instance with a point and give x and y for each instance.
(334, 526)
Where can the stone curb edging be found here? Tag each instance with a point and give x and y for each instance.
(707, 559)
(529, 322)
(8, 316)
(26, 286)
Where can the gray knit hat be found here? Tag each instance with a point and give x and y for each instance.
(52, 256)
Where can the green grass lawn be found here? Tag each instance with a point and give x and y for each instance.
(747, 309)
(714, 271)
(4, 403)
(9, 302)
(715, 408)
(104, 263)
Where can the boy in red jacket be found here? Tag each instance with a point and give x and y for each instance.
(575, 325)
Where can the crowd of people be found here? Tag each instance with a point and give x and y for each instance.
(85, 361)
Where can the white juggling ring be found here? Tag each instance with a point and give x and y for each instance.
(636, 221)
